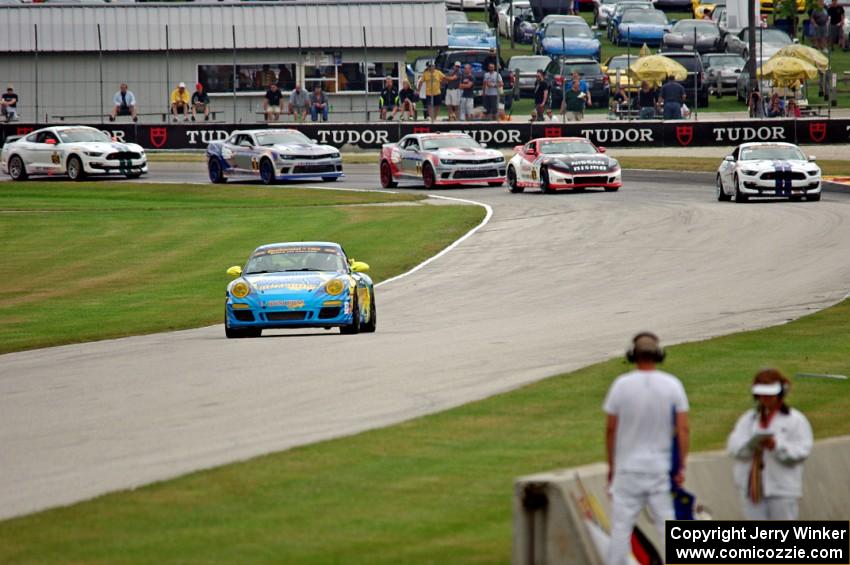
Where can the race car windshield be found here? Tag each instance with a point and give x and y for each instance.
(568, 30)
(449, 142)
(282, 138)
(83, 135)
(291, 260)
(567, 147)
(771, 153)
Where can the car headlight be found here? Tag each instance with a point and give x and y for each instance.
(287, 157)
(613, 165)
(813, 172)
(334, 156)
(240, 289)
(334, 287)
(749, 173)
(448, 161)
(93, 154)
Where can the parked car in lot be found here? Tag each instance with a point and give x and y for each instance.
(722, 71)
(453, 17)
(602, 11)
(617, 69)
(702, 35)
(742, 86)
(537, 41)
(466, 4)
(560, 70)
(700, 7)
(621, 7)
(768, 169)
(524, 69)
(476, 58)
(464, 35)
(696, 76)
(641, 27)
(571, 39)
(768, 42)
(517, 21)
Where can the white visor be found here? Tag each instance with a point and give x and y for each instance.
(771, 389)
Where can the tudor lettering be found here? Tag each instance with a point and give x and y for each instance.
(764, 133)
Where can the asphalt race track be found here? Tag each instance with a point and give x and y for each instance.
(552, 283)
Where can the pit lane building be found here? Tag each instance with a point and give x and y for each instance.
(66, 61)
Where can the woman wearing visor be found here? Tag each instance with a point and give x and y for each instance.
(770, 442)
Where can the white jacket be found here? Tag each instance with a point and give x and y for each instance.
(783, 465)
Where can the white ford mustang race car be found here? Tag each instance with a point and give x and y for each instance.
(76, 151)
(768, 169)
(562, 163)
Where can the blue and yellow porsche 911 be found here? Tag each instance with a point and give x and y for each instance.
(299, 285)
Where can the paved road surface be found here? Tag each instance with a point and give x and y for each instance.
(552, 283)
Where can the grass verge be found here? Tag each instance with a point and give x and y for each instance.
(432, 490)
(100, 260)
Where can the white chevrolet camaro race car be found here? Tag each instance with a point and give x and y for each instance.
(562, 163)
(768, 170)
(76, 151)
(272, 155)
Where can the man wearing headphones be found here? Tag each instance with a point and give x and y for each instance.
(646, 408)
(770, 443)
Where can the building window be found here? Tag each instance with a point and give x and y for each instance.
(250, 78)
(349, 77)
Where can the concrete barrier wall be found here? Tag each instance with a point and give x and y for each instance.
(549, 528)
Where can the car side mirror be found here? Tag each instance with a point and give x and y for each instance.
(518, 149)
(315, 140)
(234, 271)
(359, 267)
(601, 149)
(50, 141)
(812, 158)
(729, 158)
(483, 145)
(531, 151)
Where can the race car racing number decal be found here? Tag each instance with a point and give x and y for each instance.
(55, 158)
(254, 164)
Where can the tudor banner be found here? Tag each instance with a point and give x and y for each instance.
(365, 136)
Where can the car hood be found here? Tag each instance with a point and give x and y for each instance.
(466, 153)
(103, 147)
(303, 149)
(771, 164)
(640, 29)
(689, 37)
(583, 162)
(571, 43)
(289, 284)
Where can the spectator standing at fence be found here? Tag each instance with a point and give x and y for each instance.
(123, 103)
(299, 103)
(770, 443)
(432, 80)
(793, 111)
(819, 18)
(271, 103)
(541, 93)
(646, 409)
(493, 85)
(775, 109)
(200, 102)
(453, 93)
(492, 58)
(836, 25)
(318, 105)
(573, 103)
(582, 85)
(467, 93)
(388, 101)
(407, 101)
(755, 104)
(9, 104)
(620, 100)
(672, 96)
(180, 100)
(647, 101)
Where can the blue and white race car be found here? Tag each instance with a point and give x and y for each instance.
(272, 155)
(299, 285)
(768, 169)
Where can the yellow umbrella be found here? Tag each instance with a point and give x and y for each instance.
(656, 68)
(787, 70)
(805, 53)
(644, 51)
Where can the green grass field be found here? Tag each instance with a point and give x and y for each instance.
(97, 260)
(432, 490)
(523, 107)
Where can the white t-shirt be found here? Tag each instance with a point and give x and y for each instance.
(644, 403)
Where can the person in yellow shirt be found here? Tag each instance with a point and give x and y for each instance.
(430, 84)
(180, 101)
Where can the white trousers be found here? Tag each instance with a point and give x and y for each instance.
(772, 508)
(633, 491)
(466, 108)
